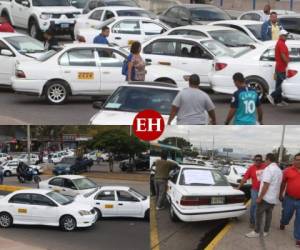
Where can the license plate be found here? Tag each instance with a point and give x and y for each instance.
(217, 200)
(64, 25)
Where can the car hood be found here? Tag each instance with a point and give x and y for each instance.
(57, 9)
(77, 206)
(108, 117)
(209, 190)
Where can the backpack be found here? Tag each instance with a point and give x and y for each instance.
(125, 67)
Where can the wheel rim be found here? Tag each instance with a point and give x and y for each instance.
(33, 31)
(57, 93)
(4, 220)
(7, 174)
(257, 86)
(69, 224)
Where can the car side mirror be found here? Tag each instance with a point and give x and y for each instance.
(186, 19)
(25, 3)
(97, 105)
(6, 52)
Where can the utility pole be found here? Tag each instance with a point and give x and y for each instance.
(28, 144)
(281, 145)
(213, 148)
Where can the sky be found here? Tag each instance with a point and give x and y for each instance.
(243, 139)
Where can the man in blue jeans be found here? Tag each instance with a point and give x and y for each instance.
(1, 175)
(253, 173)
(291, 199)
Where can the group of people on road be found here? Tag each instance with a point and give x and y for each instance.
(269, 186)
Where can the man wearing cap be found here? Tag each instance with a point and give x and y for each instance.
(282, 60)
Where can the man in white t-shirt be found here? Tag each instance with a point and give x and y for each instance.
(268, 196)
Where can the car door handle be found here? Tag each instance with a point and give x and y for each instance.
(120, 204)
(106, 72)
(49, 187)
(67, 71)
(148, 60)
(118, 38)
(97, 203)
(63, 190)
(267, 65)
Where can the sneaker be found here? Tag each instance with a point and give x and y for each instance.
(284, 103)
(298, 243)
(266, 234)
(282, 227)
(252, 234)
(271, 99)
(280, 104)
(159, 208)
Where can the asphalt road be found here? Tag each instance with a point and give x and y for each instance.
(110, 234)
(20, 109)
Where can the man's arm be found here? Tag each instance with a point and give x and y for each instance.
(282, 189)
(130, 68)
(230, 116)
(212, 115)
(264, 190)
(173, 113)
(260, 114)
(284, 58)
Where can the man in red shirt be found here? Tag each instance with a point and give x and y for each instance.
(291, 199)
(282, 60)
(254, 172)
(5, 25)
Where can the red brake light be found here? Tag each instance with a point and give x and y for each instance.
(220, 66)
(291, 73)
(20, 74)
(194, 201)
(235, 199)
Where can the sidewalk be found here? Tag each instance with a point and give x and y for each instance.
(276, 240)
(13, 245)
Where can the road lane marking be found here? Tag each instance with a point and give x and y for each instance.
(153, 226)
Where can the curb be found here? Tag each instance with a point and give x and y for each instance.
(12, 188)
(153, 227)
(221, 234)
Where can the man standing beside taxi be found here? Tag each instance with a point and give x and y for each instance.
(254, 173)
(271, 28)
(291, 199)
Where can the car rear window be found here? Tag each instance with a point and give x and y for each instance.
(142, 13)
(202, 177)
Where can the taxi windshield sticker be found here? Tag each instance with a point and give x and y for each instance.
(22, 211)
(109, 206)
(85, 75)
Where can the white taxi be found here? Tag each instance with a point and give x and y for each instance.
(124, 104)
(117, 201)
(200, 193)
(82, 69)
(125, 30)
(34, 158)
(44, 207)
(4, 157)
(10, 168)
(190, 53)
(234, 174)
(69, 185)
(16, 47)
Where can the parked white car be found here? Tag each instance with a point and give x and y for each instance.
(81, 69)
(56, 157)
(199, 193)
(10, 167)
(190, 53)
(232, 38)
(95, 17)
(259, 15)
(44, 207)
(125, 30)
(34, 158)
(117, 201)
(4, 157)
(124, 104)
(69, 185)
(257, 66)
(234, 174)
(250, 28)
(93, 156)
(14, 48)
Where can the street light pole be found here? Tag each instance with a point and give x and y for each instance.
(213, 148)
(281, 145)
(28, 144)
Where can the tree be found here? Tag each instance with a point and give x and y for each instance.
(177, 142)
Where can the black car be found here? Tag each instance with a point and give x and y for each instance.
(141, 162)
(72, 165)
(186, 14)
(88, 5)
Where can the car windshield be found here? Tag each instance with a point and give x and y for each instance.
(240, 170)
(92, 192)
(217, 48)
(121, 3)
(202, 177)
(135, 99)
(84, 183)
(137, 194)
(51, 3)
(59, 198)
(209, 14)
(80, 4)
(44, 57)
(142, 13)
(255, 29)
(25, 44)
(231, 38)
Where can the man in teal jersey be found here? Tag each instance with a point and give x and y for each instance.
(245, 104)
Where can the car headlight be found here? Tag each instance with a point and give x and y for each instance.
(186, 78)
(45, 16)
(76, 15)
(84, 212)
(68, 169)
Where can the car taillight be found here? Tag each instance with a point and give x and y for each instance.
(194, 201)
(20, 74)
(235, 199)
(291, 73)
(220, 66)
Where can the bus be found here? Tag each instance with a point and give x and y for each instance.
(174, 153)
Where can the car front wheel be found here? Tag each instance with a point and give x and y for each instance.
(5, 220)
(259, 85)
(7, 173)
(68, 223)
(56, 92)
